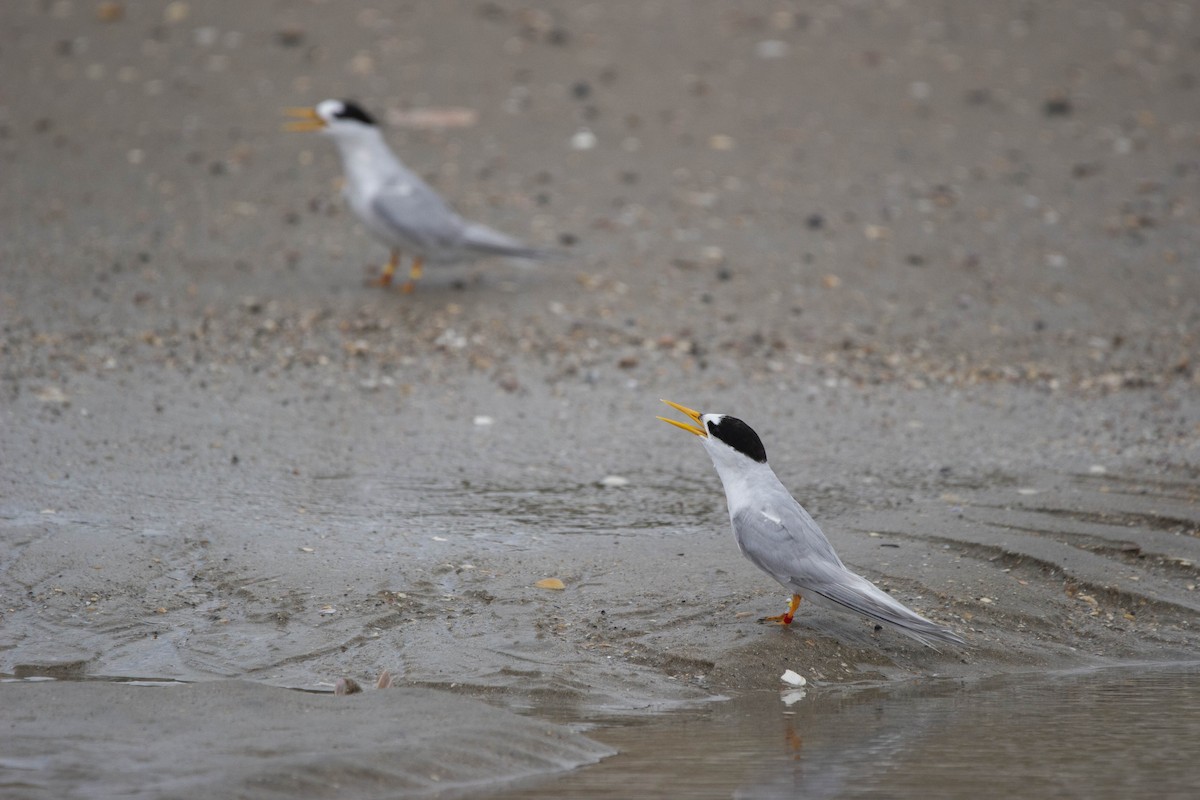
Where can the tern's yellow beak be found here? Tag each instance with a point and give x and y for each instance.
(306, 119)
(697, 429)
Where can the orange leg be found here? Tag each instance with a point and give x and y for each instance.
(786, 617)
(414, 275)
(389, 269)
(795, 742)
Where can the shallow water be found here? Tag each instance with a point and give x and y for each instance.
(1118, 732)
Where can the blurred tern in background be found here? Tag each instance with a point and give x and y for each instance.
(399, 208)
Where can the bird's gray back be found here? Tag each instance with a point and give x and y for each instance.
(416, 217)
(780, 537)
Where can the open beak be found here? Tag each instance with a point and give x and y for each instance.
(305, 120)
(697, 429)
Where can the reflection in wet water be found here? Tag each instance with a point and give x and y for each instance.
(506, 515)
(1128, 732)
(588, 507)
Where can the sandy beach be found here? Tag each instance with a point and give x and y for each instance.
(944, 259)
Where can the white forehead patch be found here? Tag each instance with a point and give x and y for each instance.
(328, 109)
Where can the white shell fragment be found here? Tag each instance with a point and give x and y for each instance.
(792, 678)
(614, 481)
(771, 48)
(583, 139)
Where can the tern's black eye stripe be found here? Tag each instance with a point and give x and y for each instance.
(352, 110)
(740, 436)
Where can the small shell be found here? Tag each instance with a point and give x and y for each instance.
(792, 678)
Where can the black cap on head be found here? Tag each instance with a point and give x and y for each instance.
(352, 110)
(738, 435)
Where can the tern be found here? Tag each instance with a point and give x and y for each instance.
(782, 539)
(395, 205)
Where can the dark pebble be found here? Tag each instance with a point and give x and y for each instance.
(1057, 107)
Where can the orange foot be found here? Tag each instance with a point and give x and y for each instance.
(786, 617)
(414, 275)
(389, 269)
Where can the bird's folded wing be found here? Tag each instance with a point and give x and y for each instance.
(855, 593)
(418, 215)
(785, 542)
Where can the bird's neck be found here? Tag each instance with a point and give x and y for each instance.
(365, 156)
(745, 480)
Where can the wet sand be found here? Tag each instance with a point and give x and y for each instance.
(945, 265)
(238, 739)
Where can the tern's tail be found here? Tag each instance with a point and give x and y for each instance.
(859, 595)
(487, 241)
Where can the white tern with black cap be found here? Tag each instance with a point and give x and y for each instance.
(780, 538)
(395, 205)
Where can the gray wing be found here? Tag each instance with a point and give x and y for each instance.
(488, 241)
(796, 553)
(781, 539)
(856, 593)
(417, 214)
